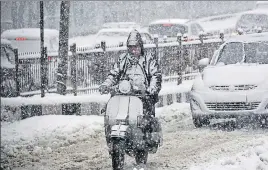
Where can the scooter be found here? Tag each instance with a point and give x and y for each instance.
(128, 129)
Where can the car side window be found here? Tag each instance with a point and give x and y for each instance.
(199, 27)
(194, 29)
(148, 37)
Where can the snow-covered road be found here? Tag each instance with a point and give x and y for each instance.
(77, 142)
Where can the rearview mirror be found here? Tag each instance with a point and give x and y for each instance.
(203, 62)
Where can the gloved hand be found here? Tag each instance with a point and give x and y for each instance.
(103, 89)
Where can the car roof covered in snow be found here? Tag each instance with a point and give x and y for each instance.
(250, 37)
(170, 21)
(122, 30)
(120, 25)
(29, 33)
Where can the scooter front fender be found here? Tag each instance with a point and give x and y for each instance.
(119, 131)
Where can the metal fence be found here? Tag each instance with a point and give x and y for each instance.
(93, 65)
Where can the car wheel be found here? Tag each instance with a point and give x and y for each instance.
(200, 121)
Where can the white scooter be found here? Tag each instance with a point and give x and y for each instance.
(128, 129)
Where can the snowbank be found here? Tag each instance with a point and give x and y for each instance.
(44, 133)
(255, 158)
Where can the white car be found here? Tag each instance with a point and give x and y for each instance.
(251, 21)
(235, 83)
(28, 39)
(116, 36)
(169, 28)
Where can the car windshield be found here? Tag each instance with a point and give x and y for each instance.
(254, 52)
(170, 30)
(232, 53)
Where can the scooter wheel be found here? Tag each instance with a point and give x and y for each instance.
(118, 155)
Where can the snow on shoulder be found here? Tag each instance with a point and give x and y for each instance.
(51, 131)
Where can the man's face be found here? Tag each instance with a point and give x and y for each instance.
(135, 50)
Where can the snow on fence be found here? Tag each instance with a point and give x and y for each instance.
(18, 108)
(93, 65)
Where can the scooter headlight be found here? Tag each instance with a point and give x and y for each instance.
(124, 86)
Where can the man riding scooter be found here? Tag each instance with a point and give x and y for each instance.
(142, 71)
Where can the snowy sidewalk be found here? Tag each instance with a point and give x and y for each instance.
(77, 142)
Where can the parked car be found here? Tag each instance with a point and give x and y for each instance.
(253, 21)
(116, 36)
(169, 28)
(28, 39)
(235, 83)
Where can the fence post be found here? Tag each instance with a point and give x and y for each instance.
(201, 37)
(73, 68)
(156, 47)
(103, 46)
(43, 72)
(46, 68)
(179, 39)
(17, 72)
(102, 58)
(222, 35)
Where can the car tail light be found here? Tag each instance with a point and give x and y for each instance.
(167, 25)
(20, 39)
